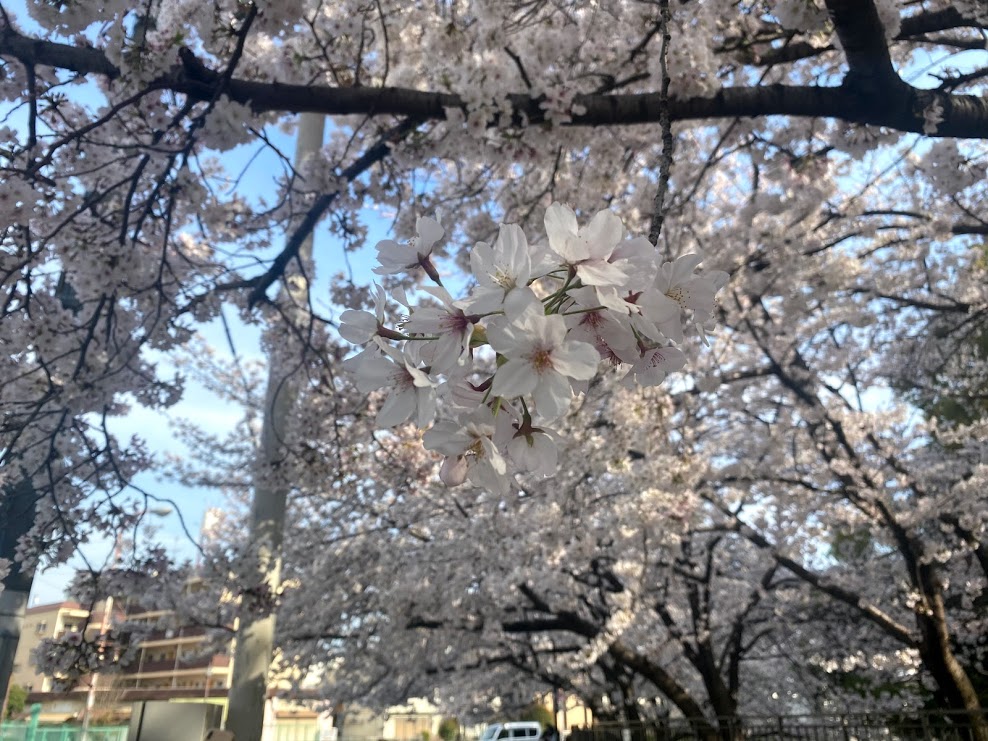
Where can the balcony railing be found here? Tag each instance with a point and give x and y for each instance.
(168, 665)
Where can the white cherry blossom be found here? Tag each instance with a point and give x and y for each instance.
(588, 250)
(359, 327)
(470, 451)
(502, 272)
(412, 393)
(540, 360)
(398, 258)
(453, 327)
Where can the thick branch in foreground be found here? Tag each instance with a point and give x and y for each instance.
(899, 106)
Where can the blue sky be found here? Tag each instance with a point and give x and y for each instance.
(198, 404)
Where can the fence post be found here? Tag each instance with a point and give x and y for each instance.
(32, 725)
(926, 726)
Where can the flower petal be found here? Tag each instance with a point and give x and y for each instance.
(595, 272)
(515, 378)
(552, 395)
(560, 226)
(430, 231)
(576, 360)
(603, 233)
(400, 405)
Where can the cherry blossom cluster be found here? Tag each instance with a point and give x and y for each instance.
(74, 655)
(505, 362)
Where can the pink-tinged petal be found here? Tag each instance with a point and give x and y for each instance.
(601, 273)
(560, 226)
(370, 370)
(576, 360)
(515, 378)
(485, 477)
(439, 292)
(454, 470)
(483, 300)
(603, 233)
(400, 405)
(506, 339)
(642, 256)
(548, 331)
(608, 297)
(552, 395)
(672, 329)
(419, 378)
(425, 320)
(395, 258)
(535, 453)
(493, 457)
(449, 348)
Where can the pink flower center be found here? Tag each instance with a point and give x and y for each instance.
(656, 359)
(401, 379)
(455, 323)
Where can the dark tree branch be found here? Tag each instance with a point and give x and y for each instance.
(862, 37)
(849, 597)
(898, 106)
(372, 156)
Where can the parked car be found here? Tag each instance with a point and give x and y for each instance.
(513, 731)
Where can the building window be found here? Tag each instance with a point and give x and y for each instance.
(41, 627)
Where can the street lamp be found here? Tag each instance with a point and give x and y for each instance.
(161, 510)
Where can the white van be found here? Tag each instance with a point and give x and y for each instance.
(513, 731)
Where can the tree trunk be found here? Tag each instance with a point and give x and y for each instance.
(255, 633)
(16, 518)
(938, 655)
(666, 683)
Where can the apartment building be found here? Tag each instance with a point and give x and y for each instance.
(176, 658)
(44, 621)
(174, 662)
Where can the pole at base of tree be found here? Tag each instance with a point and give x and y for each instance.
(256, 629)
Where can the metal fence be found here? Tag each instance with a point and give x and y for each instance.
(21, 731)
(944, 726)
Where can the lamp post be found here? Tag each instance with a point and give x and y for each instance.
(104, 626)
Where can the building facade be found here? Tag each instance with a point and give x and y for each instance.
(41, 622)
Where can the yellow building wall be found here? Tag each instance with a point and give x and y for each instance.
(47, 621)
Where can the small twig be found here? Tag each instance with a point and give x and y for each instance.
(665, 122)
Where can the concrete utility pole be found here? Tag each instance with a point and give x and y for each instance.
(16, 518)
(255, 634)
